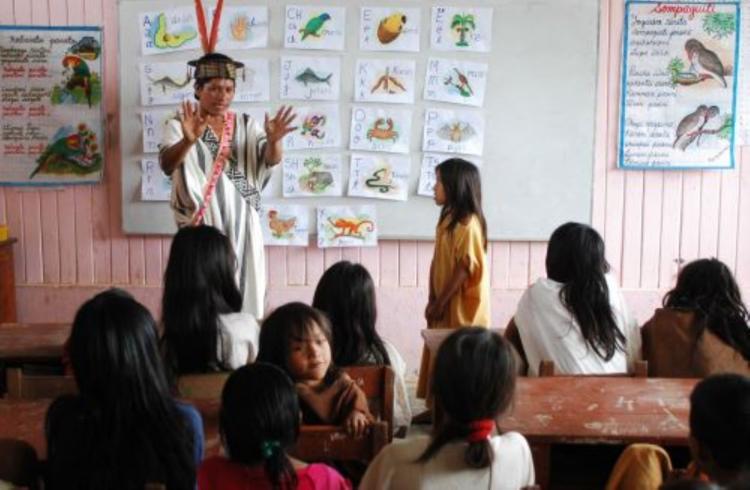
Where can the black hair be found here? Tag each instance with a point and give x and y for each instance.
(199, 83)
(707, 287)
(474, 379)
(259, 420)
(199, 285)
(346, 293)
(463, 193)
(575, 258)
(289, 322)
(135, 427)
(720, 420)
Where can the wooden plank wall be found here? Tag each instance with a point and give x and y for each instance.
(70, 238)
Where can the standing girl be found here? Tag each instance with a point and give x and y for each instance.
(459, 280)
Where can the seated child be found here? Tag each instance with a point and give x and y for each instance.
(473, 384)
(576, 316)
(204, 327)
(702, 329)
(259, 421)
(123, 429)
(346, 293)
(296, 337)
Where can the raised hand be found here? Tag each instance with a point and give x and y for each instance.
(280, 125)
(193, 124)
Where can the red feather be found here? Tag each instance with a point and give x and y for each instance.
(215, 26)
(201, 18)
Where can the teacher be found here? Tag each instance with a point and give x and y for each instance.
(219, 163)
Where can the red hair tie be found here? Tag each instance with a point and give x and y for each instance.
(480, 430)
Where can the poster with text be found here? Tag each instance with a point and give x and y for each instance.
(253, 83)
(389, 29)
(155, 185)
(379, 176)
(310, 78)
(244, 27)
(314, 27)
(389, 81)
(426, 184)
(679, 85)
(375, 129)
(311, 175)
(317, 127)
(165, 83)
(459, 82)
(461, 29)
(153, 122)
(169, 30)
(285, 225)
(451, 131)
(347, 226)
(51, 97)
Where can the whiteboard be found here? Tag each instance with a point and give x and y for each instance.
(539, 110)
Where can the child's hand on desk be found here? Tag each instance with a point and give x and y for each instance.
(356, 424)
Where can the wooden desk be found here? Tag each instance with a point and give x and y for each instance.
(598, 410)
(30, 343)
(7, 282)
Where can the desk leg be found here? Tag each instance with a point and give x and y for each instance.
(541, 455)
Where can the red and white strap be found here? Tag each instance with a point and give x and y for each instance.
(218, 168)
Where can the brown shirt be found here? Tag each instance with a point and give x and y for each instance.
(332, 404)
(670, 348)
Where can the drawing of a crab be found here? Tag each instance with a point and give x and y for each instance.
(382, 129)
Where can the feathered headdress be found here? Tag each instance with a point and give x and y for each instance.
(212, 64)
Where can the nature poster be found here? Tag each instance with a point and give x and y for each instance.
(347, 226)
(679, 85)
(453, 131)
(311, 175)
(389, 29)
(427, 171)
(285, 224)
(374, 129)
(314, 27)
(459, 82)
(379, 176)
(310, 78)
(381, 80)
(165, 83)
(167, 31)
(317, 127)
(461, 29)
(51, 92)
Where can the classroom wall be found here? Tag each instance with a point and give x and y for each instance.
(70, 242)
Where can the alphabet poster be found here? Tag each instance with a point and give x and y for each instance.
(285, 225)
(317, 127)
(311, 175)
(460, 82)
(427, 172)
(450, 131)
(389, 29)
(314, 27)
(679, 85)
(310, 78)
(153, 128)
(167, 31)
(51, 93)
(379, 176)
(244, 27)
(155, 185)
(380, 129)
(347, 226)
(390, 81)
(461, 29)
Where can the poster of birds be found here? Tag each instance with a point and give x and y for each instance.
(389, 29)
(314, 27)
(456, 81)
(461, 29)
(379, 176)
(380, 129)
(679, 94)
(453, 131)
(285, 225)
(310, 78)
(347, 226)
(168, 30)
(311, 175)
(381, 80)
(51, 105)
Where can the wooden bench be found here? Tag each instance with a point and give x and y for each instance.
(377, 384)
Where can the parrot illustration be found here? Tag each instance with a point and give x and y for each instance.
(70, 153)
(314, 25)
(81, 76)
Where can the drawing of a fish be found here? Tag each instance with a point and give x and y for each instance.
(167, 82)
(309, 76)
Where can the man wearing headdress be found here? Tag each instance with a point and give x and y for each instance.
(219, 163)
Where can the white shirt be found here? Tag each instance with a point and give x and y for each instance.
(401, 407)
(396, 467)
(550, 332)
(239, 339)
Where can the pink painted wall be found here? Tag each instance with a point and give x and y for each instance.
(71, 243)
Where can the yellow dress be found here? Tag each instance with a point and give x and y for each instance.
(471, 306)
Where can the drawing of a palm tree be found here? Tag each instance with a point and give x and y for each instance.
(463, 24)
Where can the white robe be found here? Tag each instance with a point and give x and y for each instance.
(228, 211)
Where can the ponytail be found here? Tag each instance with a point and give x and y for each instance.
(278, 468)
(478, 453)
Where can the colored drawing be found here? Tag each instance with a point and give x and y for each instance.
(451, 131)
(165, 31)
(285, 225)
(168, 83)
(697, 125)
(315, 180)
(163, 39)
(240, 27)
(311, 175)
(281, 227)
(165, 83)
(379, 176)
(314, 25)
(390, 27)
(347, 226)
(457, 132)
(462, 24)
(388, 83)
(382, 129)
(309, 76)
(459, 82)
(352, 227)
(312, 126)
(464, 29)
(72, 151)
(87, 48)
(153, 122)
(382, 80)
(385, 130)
(319, 127)
(80, 86)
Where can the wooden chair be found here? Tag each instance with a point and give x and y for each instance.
(18, 463)
(202, 386)
(328, 442)
(640, 370)
(377, 384)
(22, 385)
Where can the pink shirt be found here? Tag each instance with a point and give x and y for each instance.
(219, 473)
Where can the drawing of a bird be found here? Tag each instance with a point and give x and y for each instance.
(689, 127)
(314, 25)
(81, 76)
(463, 81)
(712, 112)
(70, 153)
(280, 227)
(704, 61)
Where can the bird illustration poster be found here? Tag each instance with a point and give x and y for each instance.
(285, 225)
(679, 91)
(165, 83)
(390, 81)
(317, 127)
(311, 175)
(453, 131)
(310, 78)
(314, 27)
(153, 122)
(51, 89)
(347, 226)
(461, 29)
(379, 176)
(244, 27)
(167, 31)
(389, 29)
(427, 171)
(459, 82)
(374, 129)
(155, 186)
